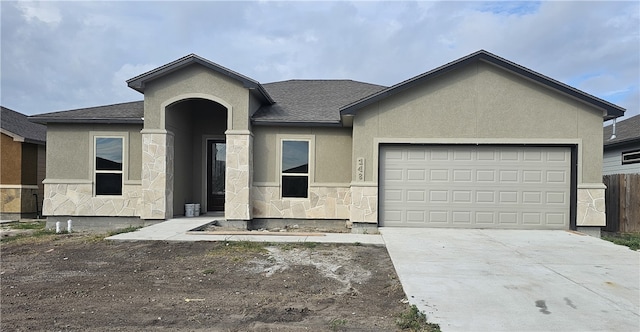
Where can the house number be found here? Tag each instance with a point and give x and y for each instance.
(360, 169)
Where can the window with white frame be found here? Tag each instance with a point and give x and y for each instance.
(108, 165)
(631, 157)
(294, 179)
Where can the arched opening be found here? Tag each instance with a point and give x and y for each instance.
(199, 153)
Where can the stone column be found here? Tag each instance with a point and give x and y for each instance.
(157, 174)
(237, 205)
(364, 203)
(591, 205)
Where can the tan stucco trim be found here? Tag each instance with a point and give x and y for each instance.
(266, 184)
(592, 186)
(238, 132)
(18, 186)
(363, 184)
(329, 185)
(16, 138)
(66, 181)
(153, 131)
(133, 182)
(196, 95)
(477, 141)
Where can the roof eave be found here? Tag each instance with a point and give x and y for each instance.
(46, 120)
(297, 123)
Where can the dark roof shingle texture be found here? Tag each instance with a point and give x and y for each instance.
(19, 124)
(131, 112)
(311, 101)
(627, 131)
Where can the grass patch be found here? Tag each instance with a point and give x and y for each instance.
(415, 320)
(28, 225)
(337, 324)
(37, 235)
(123, 230)
(631, 240)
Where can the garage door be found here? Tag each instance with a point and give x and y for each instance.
(511, 187)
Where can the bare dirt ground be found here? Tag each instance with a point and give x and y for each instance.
(82, 282)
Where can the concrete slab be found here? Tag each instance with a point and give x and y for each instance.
(508, 280)
(178, 230)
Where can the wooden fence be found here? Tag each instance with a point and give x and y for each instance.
(622, 198)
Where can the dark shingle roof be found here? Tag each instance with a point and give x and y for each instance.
(18, 124)
(611, 110)
(131, 112)
(627, 131)
(311, 101)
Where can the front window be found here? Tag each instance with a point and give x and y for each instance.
(295, 168)
(108, 165)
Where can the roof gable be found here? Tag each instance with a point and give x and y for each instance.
(18, 126)
(610, 110)
(138, 83)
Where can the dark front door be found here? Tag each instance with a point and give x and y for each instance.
(216, 164)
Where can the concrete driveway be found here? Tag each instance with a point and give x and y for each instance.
(507, 280)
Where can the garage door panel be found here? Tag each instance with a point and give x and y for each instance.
(475, 186)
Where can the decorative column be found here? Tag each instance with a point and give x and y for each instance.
(237, 205)
(591, 205)
(157, 174)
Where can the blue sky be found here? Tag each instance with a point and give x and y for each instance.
(66, 55)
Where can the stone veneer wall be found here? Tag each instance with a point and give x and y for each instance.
(237, 204)
(364, 206)
(591, 206)
(17, 201)
(157, 174)
(323, 203)
(76, 199)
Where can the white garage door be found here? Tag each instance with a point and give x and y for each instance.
(464, 186)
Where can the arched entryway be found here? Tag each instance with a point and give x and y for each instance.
(198, 127)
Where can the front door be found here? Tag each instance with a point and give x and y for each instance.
(216, 164)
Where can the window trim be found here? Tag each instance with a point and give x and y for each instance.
(634, 153)
(310, 139)
(125, 160)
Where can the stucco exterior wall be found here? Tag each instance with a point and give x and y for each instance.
(195, 81)
(329, 193)
(10, 170)
(332, 153)
(486, 103)
(20, 178)
(68, 186)
(75, 163)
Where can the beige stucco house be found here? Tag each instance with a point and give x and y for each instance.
(480, 142)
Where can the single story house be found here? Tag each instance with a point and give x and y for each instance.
(480, 142)
(622, 150)
(22, 166)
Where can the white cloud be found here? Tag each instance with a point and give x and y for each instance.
(44, 12)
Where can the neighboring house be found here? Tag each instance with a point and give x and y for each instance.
(622, 153)
(22, 166)
(480, 142)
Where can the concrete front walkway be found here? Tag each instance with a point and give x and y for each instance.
(180, 230)
(508, 280)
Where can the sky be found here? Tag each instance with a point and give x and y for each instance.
(66, 55)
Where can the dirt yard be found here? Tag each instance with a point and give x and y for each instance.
(82, 282)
